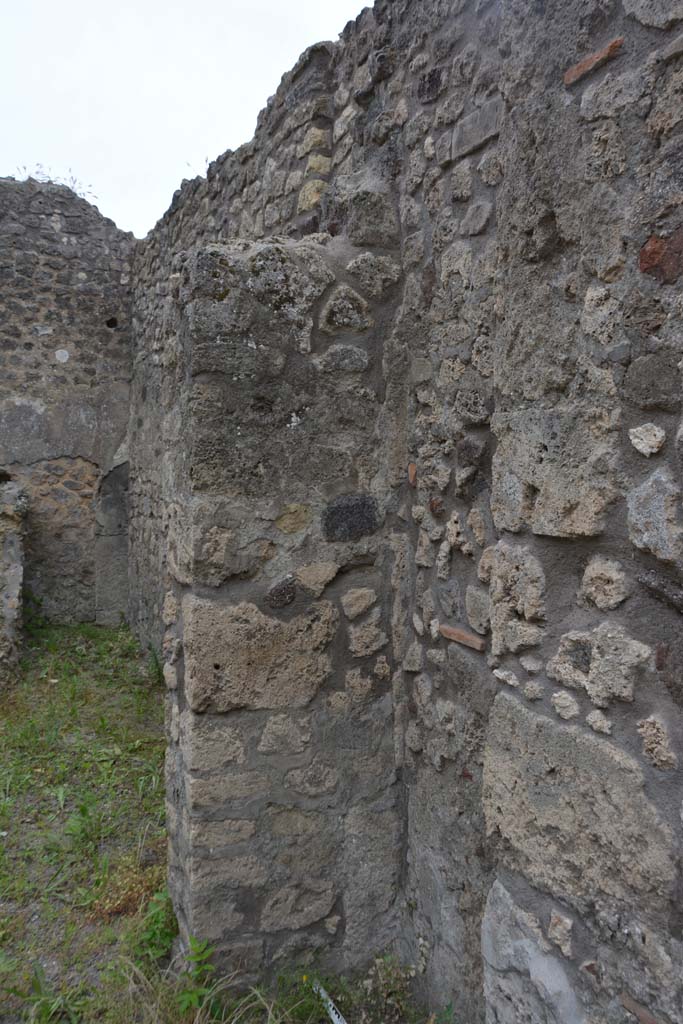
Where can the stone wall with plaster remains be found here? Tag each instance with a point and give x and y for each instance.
(64, 395)
(405, 511)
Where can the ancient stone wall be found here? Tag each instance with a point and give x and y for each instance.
(405, 509)
(524, 159)
(12, 513)
(64, 394)
(286, 836)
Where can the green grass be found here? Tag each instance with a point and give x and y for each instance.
(82, 844)
(86, 923)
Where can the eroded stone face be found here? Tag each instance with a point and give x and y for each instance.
(606, 663)
(654, 516)
(571, 809)
(524, 979)
(517, 598)
(236, 657)
(553, 471)
(604, 583)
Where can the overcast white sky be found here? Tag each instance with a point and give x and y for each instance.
(134, 95)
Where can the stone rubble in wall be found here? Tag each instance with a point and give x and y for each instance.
(415, 522)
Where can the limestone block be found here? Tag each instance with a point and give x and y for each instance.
(236, 657)
(315, 138)
(647, 438)
(356, 601)
(612, 94)
(576, 812)
(553, 470)
(412, 661)
(656, 743)
(207, 876)
(212, 838)
(658, 13)
(606, 663)
(284, 735)
(599, 722)
(342, 359)
(375, 274)
(523, 978)
(218, 791)
(506, 676)
(315, 577)
(604, 584)
(478, 605)
(370, 865)
(297, 906)
(315, 779)
(293, 518)
(476, 218)
(601, 317)
(345, 310)
(310, 194)
(318, 164)
(461, 181)
(209, 743)
(478, 128)
(654, 516)
(368, 637)
(565, 705)
(560, 931)
(517, 593)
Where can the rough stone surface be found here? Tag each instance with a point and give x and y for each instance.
(237, 657)
(654, 516)
(350, 517)
(524, 978)
(606, 663)
(653, 12)
(393, 367)
(647, 439)
(566, 831)
(517, 592)
(604, 584)
(565, 705)
(65, 333)
(656, 743)
(357, 601)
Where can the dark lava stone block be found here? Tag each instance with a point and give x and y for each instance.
(282, 593)
(350, 517)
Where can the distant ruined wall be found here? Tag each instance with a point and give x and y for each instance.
(405, 508)
(12, 514)
(64, 394)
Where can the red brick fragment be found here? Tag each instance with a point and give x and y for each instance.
(461, 636)
(661, 657)
(595, 60)
(662, 258)
(412, 473)
(640, 1012)
(436, 506)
